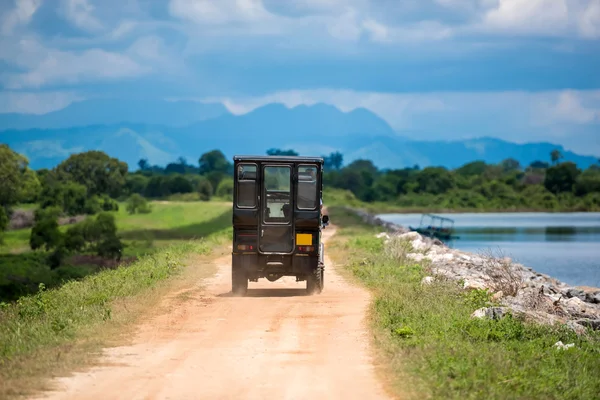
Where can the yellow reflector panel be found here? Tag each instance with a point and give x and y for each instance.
(303, 239)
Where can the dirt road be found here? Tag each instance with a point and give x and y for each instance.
(276, 343)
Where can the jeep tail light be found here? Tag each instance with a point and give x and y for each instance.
(245, 247)
(306, 249)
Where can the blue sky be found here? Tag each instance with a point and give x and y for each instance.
(522, 70)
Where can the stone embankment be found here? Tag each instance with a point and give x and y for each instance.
(515, 287)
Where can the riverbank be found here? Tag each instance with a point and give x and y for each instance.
(433, 339)
(515, 288)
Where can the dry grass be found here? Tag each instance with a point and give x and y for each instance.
(503, 274)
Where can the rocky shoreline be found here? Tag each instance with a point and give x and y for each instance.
(516, 288)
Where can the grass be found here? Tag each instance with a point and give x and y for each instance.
(52, 331)
(169, 223)
(425, 335)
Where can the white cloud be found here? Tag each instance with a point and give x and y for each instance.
(80, 13)
(570, 107)
(219, 12)
(377, 31)
(589, 22)
(20, 15)
(529, 16)
(50, 66)
(36, 103)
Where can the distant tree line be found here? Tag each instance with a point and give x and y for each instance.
(92, 182)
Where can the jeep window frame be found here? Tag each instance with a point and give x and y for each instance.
(239, 179)
(316, 186)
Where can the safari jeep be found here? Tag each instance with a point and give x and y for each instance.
(277, 221)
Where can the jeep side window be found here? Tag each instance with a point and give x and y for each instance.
(246, 185)
(306, 197)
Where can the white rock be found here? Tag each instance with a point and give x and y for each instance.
(382, 235)
(428, 280)
(473, 285)
(479, 313)
(416, 256)
(410, 236)
(418, 244)
(575, 304)
(560, 345)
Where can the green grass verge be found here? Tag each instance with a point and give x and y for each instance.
(39, 331)
(435, 350)
(169, 223)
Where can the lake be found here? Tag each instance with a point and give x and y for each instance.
(565, 246)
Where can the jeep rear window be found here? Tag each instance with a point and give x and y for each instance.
(306, 197)
(246, 185)
(277, 197)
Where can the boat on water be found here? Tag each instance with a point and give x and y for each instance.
(437, 227)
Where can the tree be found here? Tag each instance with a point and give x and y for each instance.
(16, 179)
(175, 168)
(472, 168)
(434, 180)
(555, 155)
(333, 161)
(510, 164)
(214, 161)
(279, 152)
(539, 165)
(588, 182)
(561, 178)
(95, 170)
(143, 164)
(45, 232)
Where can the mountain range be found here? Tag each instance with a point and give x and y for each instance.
(163, 131)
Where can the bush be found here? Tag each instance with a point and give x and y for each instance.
(4, 220)
(45, 232)
(225, 189)
(138, 204)
(205, 189)
(109, 204)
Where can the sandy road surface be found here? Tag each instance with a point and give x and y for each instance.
(276, 343)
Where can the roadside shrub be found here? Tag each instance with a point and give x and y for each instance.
(138, 204)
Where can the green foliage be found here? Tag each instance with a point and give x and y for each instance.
(588, 182)
(561, 177)
(45, 233)
(204, 188)
(279, 152)
(17, 182)
(214, 161)
(95, 170)
(225, 189)
(52, 317)
(4, 220)
(138, 204)
(428, 334)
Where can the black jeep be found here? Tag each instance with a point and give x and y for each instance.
(277, 220)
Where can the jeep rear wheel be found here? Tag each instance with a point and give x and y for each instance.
(314, 281)
(239, 281)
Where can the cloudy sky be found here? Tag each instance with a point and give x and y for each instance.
(522, 70)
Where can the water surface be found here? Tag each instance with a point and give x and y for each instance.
(563, 245)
